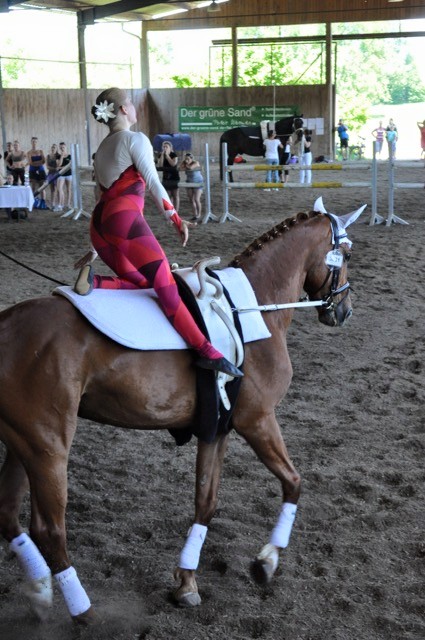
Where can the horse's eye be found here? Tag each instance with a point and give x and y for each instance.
(347, 257)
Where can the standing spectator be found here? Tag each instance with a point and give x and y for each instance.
(421, 126)
(170, 177)
(52, 161)
(9, 149)
(37, 173)
(379, 135)
(64, 181)
(192, 168)
(392, 138)
(17, 161)
(344, 136)
(284, 158)
(306, 157)
(272, 146)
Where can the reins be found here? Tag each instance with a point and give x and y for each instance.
(25, 266)
(326, 301)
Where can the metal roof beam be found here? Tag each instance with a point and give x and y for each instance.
(89, 16)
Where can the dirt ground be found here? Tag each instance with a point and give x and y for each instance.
(353, 421)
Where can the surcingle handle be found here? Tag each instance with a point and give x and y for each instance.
(233, 332)
(205, 279)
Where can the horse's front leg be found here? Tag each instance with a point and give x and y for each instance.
(209, 464)
(266, 440)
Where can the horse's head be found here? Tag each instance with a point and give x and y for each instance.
(327, 275)
(298, 128)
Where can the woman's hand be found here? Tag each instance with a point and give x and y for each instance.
(184, 231)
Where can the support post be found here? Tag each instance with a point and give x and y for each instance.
(226, 215)
(208, 212)
(391, 216)
(77, 200)
(375, 218)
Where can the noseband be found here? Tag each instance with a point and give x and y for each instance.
(334, 271)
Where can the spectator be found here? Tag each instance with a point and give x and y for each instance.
(272, 146)
(17, 161)
(52, 161)
(192, 169)
(306, 157)
(9, 149)
(379, 135)
(64, 181)
(284, 158)
(37, 173)
(392, 137)
(344, 136)
(421, 126)
(170, 177)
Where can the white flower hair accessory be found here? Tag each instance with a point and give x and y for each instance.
(104, 111)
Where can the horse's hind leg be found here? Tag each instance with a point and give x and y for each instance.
(13, 487)
(209, 464)
(266, 440)
(47, 475)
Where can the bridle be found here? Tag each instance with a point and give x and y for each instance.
(297, 130)
(334, 271)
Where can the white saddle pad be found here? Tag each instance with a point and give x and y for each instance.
(135, 319)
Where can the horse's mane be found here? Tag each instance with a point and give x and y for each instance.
(275, 232)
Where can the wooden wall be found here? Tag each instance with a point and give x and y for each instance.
(59, 115)
(55, 115)
(164, 103)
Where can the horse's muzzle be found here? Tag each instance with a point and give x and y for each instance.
(336, 315)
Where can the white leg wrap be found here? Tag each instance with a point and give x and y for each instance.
(282, 531)
(189, 557)
(76, 598)
(29, 557)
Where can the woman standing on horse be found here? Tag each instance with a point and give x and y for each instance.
(120, 234)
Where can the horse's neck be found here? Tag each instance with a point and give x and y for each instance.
(278, 269)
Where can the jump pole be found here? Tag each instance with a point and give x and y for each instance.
(318, 185)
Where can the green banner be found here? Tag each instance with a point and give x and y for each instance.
(224, 118)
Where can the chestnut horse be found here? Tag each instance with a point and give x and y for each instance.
(55, 367)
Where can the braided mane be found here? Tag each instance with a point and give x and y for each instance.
(275, 232)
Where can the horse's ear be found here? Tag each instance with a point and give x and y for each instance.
(349, 218)
(319, 206)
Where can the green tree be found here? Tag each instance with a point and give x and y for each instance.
(11, 69)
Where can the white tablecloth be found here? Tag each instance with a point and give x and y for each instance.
(16, 198)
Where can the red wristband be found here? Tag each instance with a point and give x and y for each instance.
(175, 218)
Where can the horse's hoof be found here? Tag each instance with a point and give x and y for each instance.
(187, 594)
(189, 599)
(265, 564)
(86, 619)
(40, 596)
